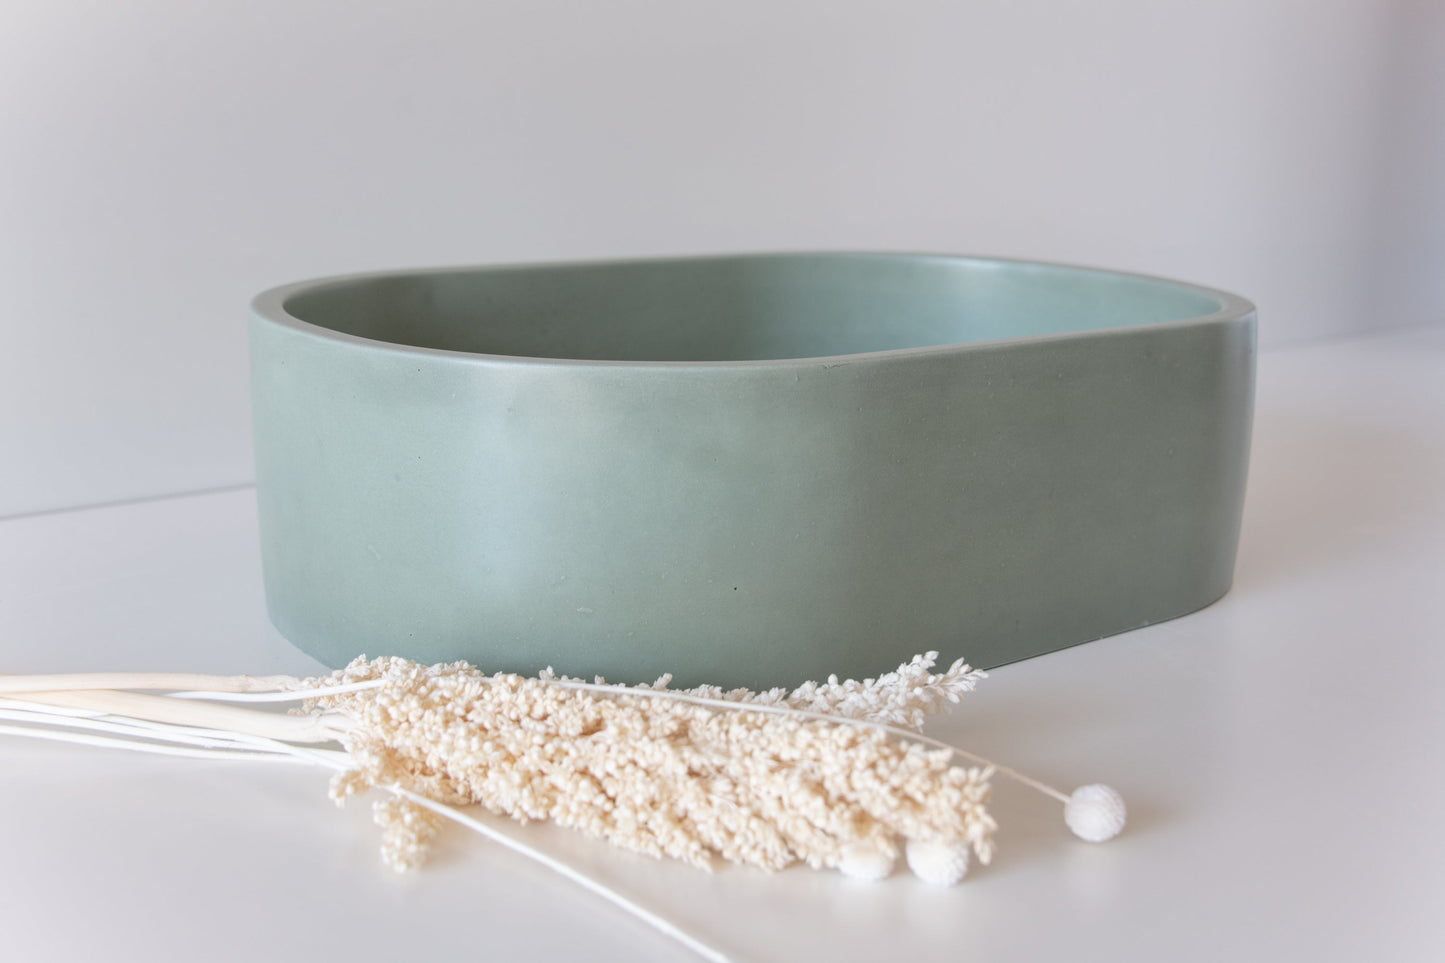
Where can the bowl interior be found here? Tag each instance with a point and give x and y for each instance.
(747, 308)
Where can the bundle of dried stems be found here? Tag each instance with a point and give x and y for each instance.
(825, 774)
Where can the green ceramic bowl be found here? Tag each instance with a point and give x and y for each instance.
(744, 470)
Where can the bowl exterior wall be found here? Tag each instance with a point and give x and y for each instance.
(747, 524)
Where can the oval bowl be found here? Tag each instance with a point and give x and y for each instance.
(745, 470)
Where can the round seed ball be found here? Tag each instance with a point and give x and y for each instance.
(938, 863)
(1095, 813)
(866, 861)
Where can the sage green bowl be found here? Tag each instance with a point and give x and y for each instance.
(748, 470)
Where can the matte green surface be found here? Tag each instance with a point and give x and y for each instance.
(436, 480)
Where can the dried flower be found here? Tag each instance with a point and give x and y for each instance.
(904, 698)
(818, 775)
(665, 776)
(408, 831)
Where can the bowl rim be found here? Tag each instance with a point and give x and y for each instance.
(269, 306)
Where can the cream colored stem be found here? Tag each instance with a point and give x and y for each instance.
(312, 728)
(340, 762)
(10, 684)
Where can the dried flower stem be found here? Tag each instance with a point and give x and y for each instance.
(660, 923)
(311, 728)
(51, 722)
(892, 701)
(763, 778)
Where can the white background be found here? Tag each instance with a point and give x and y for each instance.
(160, 162)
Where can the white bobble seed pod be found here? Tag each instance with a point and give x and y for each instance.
(938, 863)
(866, 861)
(1095, 813)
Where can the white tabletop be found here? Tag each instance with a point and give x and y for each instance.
(1282, 752)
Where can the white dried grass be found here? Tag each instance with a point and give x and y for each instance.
(663, 775)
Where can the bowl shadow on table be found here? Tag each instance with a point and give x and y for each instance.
(1324, 487)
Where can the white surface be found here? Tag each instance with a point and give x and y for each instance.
(1281, 753)
(162, 162)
